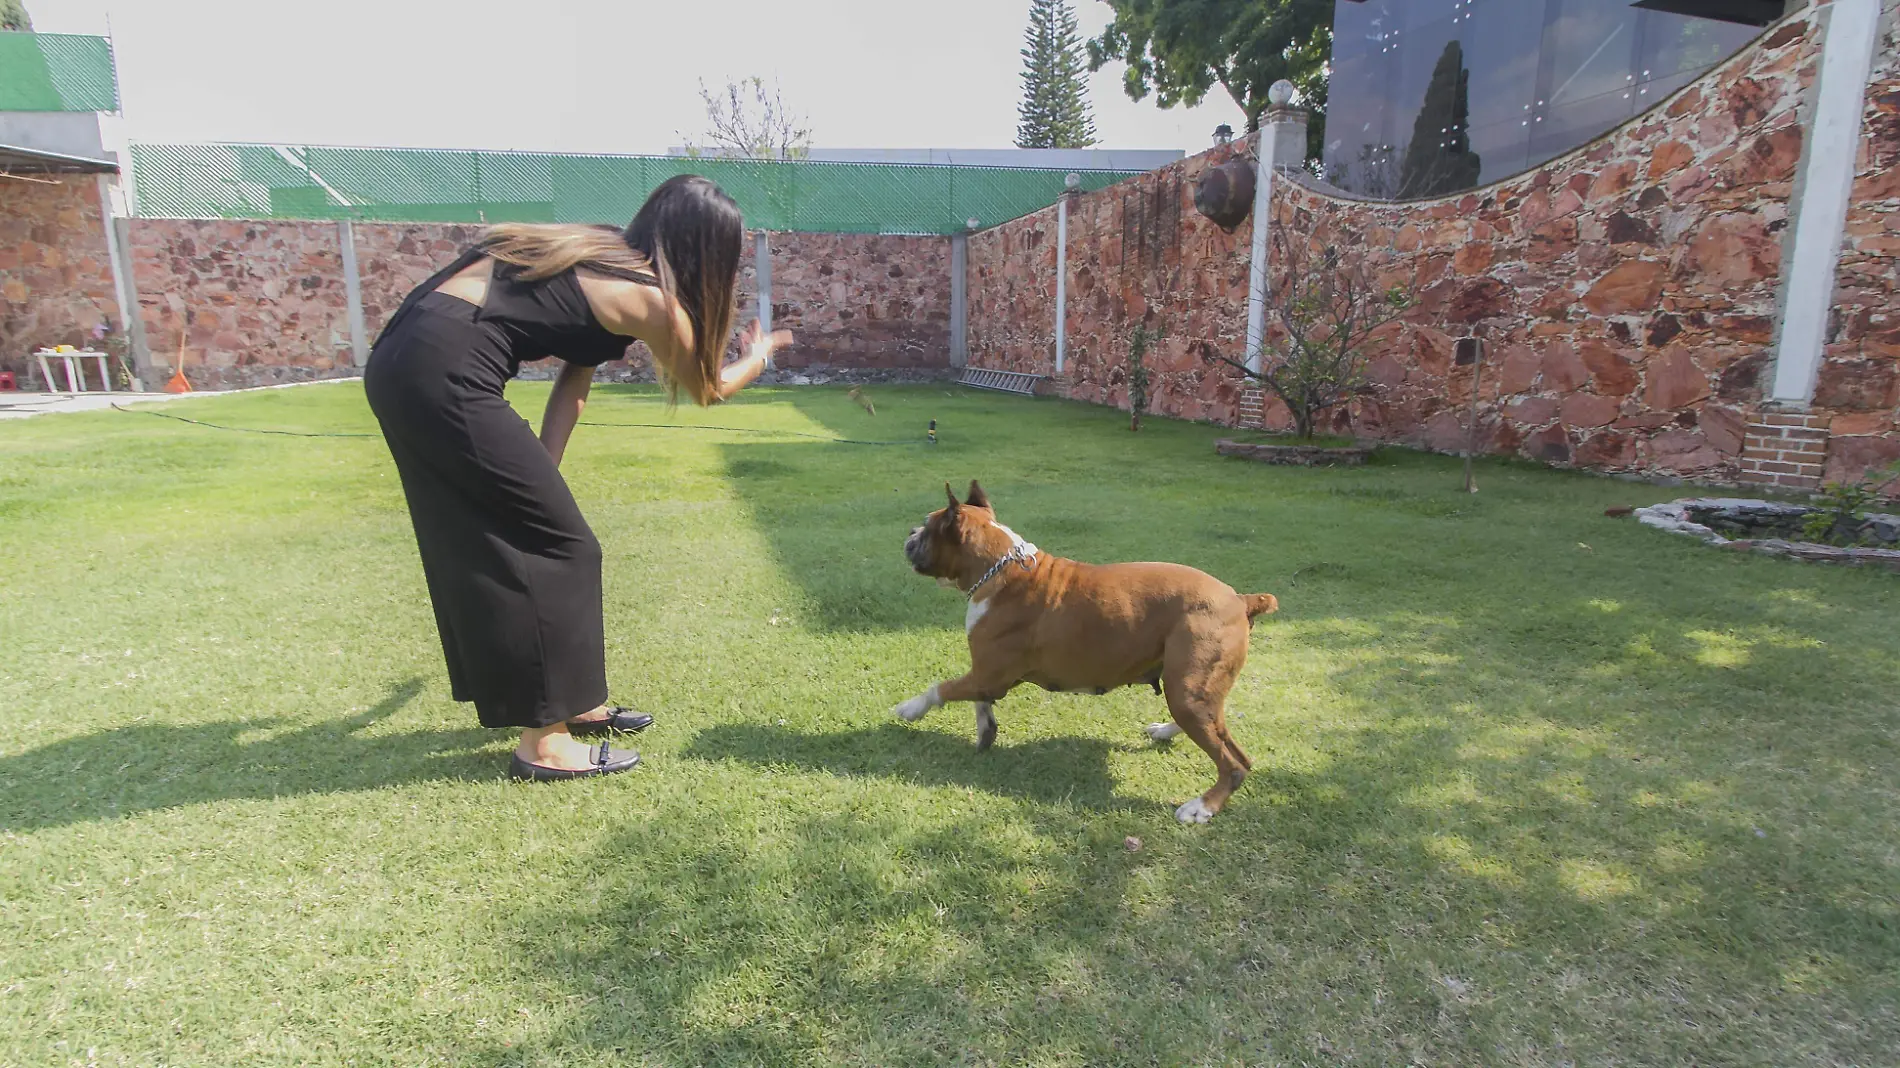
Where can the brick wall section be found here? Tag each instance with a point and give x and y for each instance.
(257, 303)
(1138, 253)
(1786, 449)
(55, 270)
(1859, 383)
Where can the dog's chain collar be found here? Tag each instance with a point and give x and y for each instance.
(1022, 551)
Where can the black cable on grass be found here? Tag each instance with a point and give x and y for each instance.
(647, 426)
(755, 430)
(244, 429)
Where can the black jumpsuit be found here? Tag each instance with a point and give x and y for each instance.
(512, 569)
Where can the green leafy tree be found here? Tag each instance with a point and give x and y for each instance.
(1181, 49)
(13, 16)
(1439, 159)
(1055, 107)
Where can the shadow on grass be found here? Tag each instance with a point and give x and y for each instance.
(1577, 797)
(1070, 771)
(140, 768)
(1354, 912)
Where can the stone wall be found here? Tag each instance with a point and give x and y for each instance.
(1859, 385)
(268, 302)
(860, 301)
(1138, 254)
(1627, 292)
(247, 303)
(55, 271)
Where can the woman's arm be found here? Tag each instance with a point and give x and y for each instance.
(645, 313)
(564, 407)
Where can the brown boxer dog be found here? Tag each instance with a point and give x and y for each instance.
(1081, 628)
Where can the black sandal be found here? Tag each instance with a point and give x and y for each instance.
(619, 718)
(604, 762)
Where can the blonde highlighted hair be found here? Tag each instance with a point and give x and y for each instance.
(687, 238)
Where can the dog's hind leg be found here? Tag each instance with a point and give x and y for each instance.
(985, 725)
(1198, 676)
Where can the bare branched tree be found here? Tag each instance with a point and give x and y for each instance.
(1324, 305)
(751, 121)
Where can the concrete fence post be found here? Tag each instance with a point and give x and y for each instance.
(353, 293)
(1264, 153)
(1062, 280)
(959, 300)
(118, 253)
(1823, 188)
(762, 274)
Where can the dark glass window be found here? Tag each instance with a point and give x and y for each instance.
(1431, 93)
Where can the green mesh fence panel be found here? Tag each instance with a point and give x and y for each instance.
(56, 72)
(424, 185)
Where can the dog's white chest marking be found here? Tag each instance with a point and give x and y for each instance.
(974, 614)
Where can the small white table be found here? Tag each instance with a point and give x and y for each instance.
(75, 369)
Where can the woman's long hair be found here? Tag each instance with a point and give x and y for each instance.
(688, 236)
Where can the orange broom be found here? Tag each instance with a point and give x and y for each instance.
(178, 384)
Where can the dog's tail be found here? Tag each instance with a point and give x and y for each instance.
(1260, 604)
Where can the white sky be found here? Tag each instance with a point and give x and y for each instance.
(587, 75)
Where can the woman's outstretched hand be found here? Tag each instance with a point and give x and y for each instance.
(757, 342)
(758, 347)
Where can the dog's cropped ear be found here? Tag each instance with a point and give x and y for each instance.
(978, 499)
(952, 494)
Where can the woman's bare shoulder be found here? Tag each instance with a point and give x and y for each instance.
(632, 309)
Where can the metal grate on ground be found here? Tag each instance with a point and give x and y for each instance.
(237, 181)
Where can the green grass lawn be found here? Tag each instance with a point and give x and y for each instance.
(1531, 786)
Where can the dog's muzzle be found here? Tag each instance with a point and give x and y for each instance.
(916, 551)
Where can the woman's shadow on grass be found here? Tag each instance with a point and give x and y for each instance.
(144, 767)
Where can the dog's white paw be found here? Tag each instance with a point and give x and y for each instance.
(914, 709)
(1194, 812)
(1161, 732)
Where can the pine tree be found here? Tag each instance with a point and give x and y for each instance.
(1055, 107)
(13, 16)
(1439, 160)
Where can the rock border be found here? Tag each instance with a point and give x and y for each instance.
(1674, 518)
(1297, 455)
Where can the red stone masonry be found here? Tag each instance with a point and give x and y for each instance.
(861, 300)
(55, 270)
(268, 301)
(1627, 292)
(1859, 386)
(1138, 253)
(253, 303)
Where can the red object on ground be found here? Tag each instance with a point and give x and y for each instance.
(178, 383)
(7, 385)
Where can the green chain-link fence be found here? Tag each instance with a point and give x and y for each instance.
(56, 72)
(423, 185)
